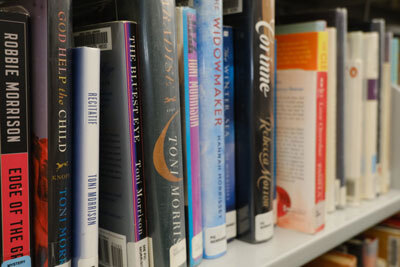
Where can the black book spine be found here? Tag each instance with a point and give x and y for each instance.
(254, 38)
(59, 132)
(162, 131)
(15, 139)
(341, 26)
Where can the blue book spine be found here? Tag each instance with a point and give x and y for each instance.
(212, 141)
(229, 134)
(86, 156)
(189, 96)
(395, 60)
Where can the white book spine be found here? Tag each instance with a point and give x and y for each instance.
(86, 156)
(354, 119)
(331, 122)
(370, 118)
(386, 129)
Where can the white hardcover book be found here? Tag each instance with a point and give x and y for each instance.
(86, 156)
(354, 116)
(384, 169)
(331, 122)
(370, 118)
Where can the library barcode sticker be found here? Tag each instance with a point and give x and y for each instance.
(138, 254)
(197, 245)
(112, 249)
(233, 6)
(177, 254)
(98, 38)
(215, 240)
(264, 226)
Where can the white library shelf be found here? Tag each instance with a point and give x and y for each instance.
(289, 248)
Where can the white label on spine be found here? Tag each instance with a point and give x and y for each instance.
(98, 38)
(177, 254)
(264, 226)
(197, 245)
(92, 262)
(151, 255)
(112, 249)
(215, 240)
(67, 264)
(138, 253)
(233, 6)
(231, 224)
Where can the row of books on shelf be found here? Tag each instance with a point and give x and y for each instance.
(376, 247)
(164, 134)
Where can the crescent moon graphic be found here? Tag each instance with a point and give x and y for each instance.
(158, 155)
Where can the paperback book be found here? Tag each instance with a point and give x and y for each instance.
(254, 52)
(86, 106)
(189, 95)
(354, 118)
(123, 226)
(51, 35)
(15, 231)
(336, 18)
(212, 135)
(370, 115)
(229, 106)
(301, 131)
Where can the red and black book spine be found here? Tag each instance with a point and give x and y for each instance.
(14, 130)
(51, 128)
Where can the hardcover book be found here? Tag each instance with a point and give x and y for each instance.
(254, 35)
(229, 92)
(86, 95)
(301, 130)
(212, 135)
(123, 226)
(189, 95)
(162, 128)
(370, 115)
(15, 246)
(336, 18)
(52, 120)
(354, 116)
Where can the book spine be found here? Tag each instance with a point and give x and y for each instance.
(320, 153)
(378, 25)
(262, 119)
(162, 128)
(86, 95)
(137, 250)
(190, 127)
(59, 162)
(331, 121)
(15, 141)
(370, 115)
(275, 202)
(353, 125)
(229, 133)
(394, 60)
(210, 53)
(341, 27)
(254, 37)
